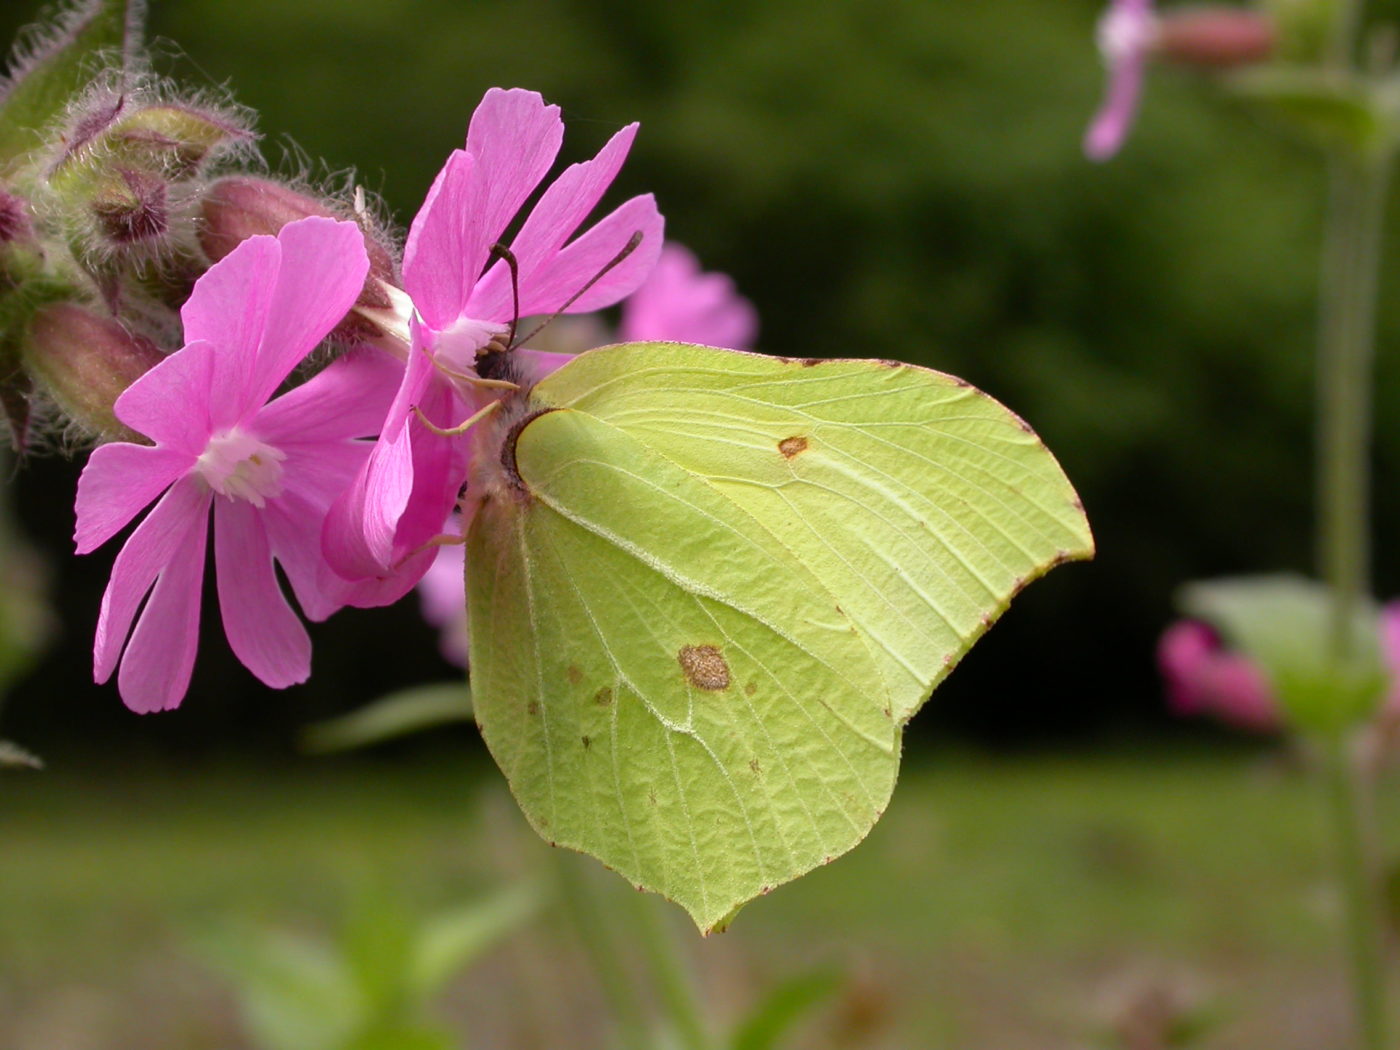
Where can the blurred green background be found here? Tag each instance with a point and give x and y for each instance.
(883, 178)
(893, 178)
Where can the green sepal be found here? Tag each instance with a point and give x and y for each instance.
(1284, 624)
(58, 63)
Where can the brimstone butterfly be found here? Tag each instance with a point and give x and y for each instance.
(708, 588)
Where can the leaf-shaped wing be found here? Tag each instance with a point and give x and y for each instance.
(717, 585)
(664, 685)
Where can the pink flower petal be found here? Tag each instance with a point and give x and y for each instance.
(170, 403)
(680, 303)
(1125, 34)
(569, 270)
(514, 137)
(347, 399)
(178, 521)
(118, 482)
(1183, 653)
(560, 211)
(228, 308)
(262, 630)
(298, 549)
(155, 672)
(322, 272)
(447, 245)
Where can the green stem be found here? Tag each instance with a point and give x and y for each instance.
(676, 985)
(1351, 266)
(1350, 817)
(587, 913)
(1350, 273)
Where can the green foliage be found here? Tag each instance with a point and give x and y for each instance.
(1283, 623)
(49, 70)
(1327, 108)
(370, 989)
(782, 1007)
(398, 714)
(756, 570)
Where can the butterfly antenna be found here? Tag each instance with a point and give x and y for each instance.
(500, 251)
(627, 249)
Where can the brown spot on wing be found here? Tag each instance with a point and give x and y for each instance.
(575, 675)
(791, 446)
(704, 667)
(603, 697)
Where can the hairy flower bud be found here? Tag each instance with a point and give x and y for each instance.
(132, 208)
(15, 224)
(85, 362)
(243, 206)
(176, 139)
(1214, 37)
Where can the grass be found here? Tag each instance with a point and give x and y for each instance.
(1001, 903)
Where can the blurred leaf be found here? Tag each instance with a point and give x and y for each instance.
(12, 756)
(1283, 623)
(1325, 107)
(782, 1007)
(58, 62)
(451, 939)
(293, 992)
(378, 945)
(395, 715)
(403, 1039)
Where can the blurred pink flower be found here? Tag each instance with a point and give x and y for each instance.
(377, 531)
(1126, 34)
(443, 593)
(268, 469)
(680, 302)
(1204, 678)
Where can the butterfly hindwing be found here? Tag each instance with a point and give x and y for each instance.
(665, 686)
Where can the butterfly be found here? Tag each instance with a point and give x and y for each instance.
(708, 589)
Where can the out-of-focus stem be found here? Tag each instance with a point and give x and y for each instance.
(1350, 274)
(1349, 815)
(673, 981)
(1351, 267)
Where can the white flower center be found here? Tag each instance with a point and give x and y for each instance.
(239, 466)
(1125, 33)
(455, 347)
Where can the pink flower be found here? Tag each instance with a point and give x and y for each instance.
(1203, 677)
(678, 302)
(1126, 34)
(442, 591)
(462, 300)
(268, 469)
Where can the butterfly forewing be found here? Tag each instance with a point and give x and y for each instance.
(922, 504)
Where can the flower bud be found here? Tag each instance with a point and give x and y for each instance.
(1214, 37)
(174, 139)
(132, 209)
(243, 206)
(85, 362)
(15, 225)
